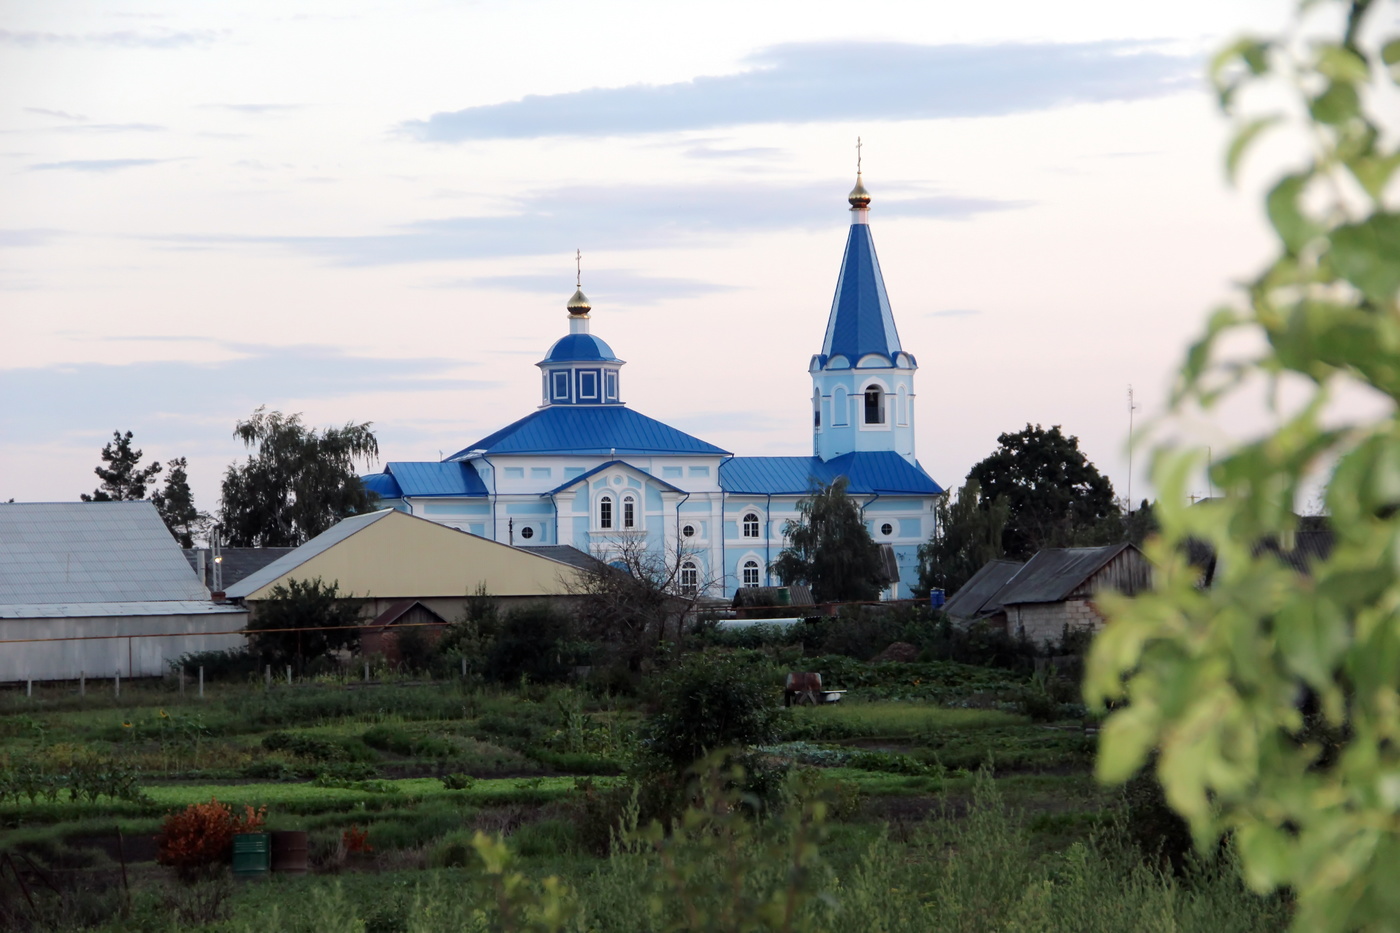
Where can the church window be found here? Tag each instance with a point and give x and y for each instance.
(690, 578)
(838, 406)
(588, 384)
(629, 512)
(751, 525)
(605, 509)
(874, 405)
(610, 382)
(688, 531)
(816, 417)
(886, 529)
(527, 532)
(750, 573)
(561, 385)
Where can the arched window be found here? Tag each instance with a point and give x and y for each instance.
(690, 578)
(874, 405)
(751, 525)
(605, 510)
(750, 573)
(629, 512)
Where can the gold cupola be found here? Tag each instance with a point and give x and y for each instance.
(578, 304)
(859, 197)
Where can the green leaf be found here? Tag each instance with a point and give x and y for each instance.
(1390, 55)
(1367, 255)
(1246, 135)
(1342, 64)
(1338, 104)
(1374, 172)
(1288, 219)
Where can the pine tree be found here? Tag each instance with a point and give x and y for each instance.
(176, 504)
(125, 478)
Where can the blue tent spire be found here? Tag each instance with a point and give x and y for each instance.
(861, 321)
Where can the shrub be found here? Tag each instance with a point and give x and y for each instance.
(228, 664)
(535, 643)
(199, 838)
(457, 781)
(712, 702)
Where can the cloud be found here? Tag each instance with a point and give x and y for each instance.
(95, 165)
(103, 396)
(57, 114)
(749, 152)
(10, 239)
(256, 109)
(953, 312)
(608, 217)
(111, 128)
(122, 39)
(606, 287)
(824, 81)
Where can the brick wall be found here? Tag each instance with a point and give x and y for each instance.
(1045, 622)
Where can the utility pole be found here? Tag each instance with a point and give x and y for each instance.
(1132, 407)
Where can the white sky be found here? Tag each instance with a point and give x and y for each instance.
(208, 207)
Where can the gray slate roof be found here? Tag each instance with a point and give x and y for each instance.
(976, 597)
(1053, 573)
(91, 552)
(565, 554)
(239, 562)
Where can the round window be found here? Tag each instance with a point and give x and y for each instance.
(886, 529)
(527, 532)
(688, 531)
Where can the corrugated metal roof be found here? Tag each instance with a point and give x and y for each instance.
(91, 552)
(868, 472)
(589, 430)
(565, 554)
(322, 542)
(437, 479)
(974, 598)
(861, 321)
(580, 348)
(1053, 573)
(163, 607)
(574, 480)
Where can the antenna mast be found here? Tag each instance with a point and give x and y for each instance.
(1132, 407)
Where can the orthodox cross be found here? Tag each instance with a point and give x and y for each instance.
(858, 145)
(578, 268)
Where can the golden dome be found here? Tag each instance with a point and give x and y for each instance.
(578, 305)
(859, 197)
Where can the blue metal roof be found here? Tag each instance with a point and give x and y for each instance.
(575, 348)
(437, 479)
(600, 429)
(382, 485)
(868, 472)
(861, 321)
(600, 468)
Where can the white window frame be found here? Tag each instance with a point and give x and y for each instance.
(757, 525)
(744, 566)
(886, 399)
(629, 499)
(689, 578)
(605, 517)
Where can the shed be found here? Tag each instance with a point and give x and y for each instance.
(1055, 589)
(107, 588)
(381, 636)
(975, 600)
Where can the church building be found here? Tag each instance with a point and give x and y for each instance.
(585, 469)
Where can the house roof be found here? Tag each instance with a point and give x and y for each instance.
(125, 609)
(974, 598)
(238, 562)
(589, 429)
(425, 479)
(868, 472)
(565, 554)
(394, 555)
(1053, 573)
(861, 321)
(91, 552)
(400, 609)
(297, 556)
(799, 594)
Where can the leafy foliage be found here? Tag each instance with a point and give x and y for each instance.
(302, 620)
(175, 503)
(968, 534)
(1221, 682)
(1054, 496)
(200, 837)
(630, 604)
(298, 483)
(709, 702)
(831, 550)
(124, 478)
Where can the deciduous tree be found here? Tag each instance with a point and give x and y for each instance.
(830, 549)
(1055, 496)
(968, 534)
(123, 478)
(302, 620)
(1272, 701)
(298, 483)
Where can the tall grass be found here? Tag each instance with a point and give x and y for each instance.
(888, 718)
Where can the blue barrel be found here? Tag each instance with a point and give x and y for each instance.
(936, 599)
